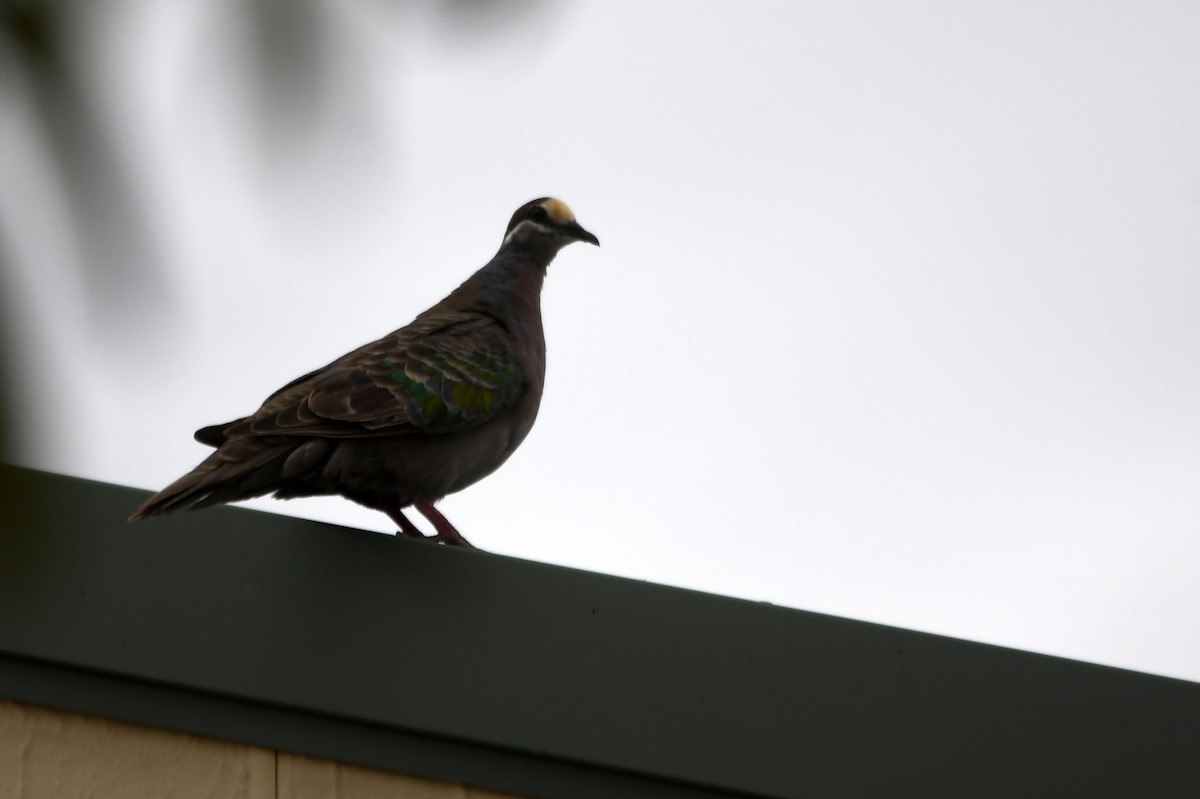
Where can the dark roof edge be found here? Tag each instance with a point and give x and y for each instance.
(534, 679)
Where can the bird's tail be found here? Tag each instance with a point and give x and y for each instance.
(218, 479)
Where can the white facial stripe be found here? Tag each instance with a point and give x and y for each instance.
(559, 211)
(523, 228)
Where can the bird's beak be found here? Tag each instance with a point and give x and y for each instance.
(575, 231)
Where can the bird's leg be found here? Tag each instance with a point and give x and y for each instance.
(445, 530)
(407, 528)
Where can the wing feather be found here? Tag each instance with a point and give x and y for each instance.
(441, 375)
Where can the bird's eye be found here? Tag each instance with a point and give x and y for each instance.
(538, 214)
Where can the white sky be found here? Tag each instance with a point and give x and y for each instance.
(895, 316)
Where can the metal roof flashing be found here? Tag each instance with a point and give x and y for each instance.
(536, 679)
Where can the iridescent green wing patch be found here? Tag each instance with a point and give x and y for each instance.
(453, 388)
(446, 380)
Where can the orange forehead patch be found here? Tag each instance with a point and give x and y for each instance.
(559, 211)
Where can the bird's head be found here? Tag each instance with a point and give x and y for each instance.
(546, 221)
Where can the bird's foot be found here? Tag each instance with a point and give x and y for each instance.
(407, 528)
(446, 534)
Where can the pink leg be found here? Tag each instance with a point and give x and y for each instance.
(407, 528)
(445, 530)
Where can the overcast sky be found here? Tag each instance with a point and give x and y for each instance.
(896, 317)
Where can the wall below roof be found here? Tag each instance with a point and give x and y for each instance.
(51, 754)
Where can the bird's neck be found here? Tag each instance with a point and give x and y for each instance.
(510, 286)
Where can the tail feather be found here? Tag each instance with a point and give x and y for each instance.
(218, 480)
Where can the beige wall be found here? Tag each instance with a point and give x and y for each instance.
(49, 754)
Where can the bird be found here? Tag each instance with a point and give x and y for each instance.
(423, 412)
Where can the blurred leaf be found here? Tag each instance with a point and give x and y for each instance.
(114, 240)
(290, 54)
